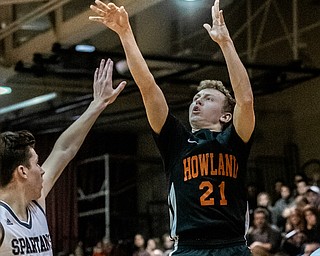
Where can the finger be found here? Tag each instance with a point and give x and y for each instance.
(221, 17)
(122, 9)
(101, 68)
(112, 7)
(104, 71)
(120, 87)
(212, 13)
(109, 70)
(97, 10)
(216, 9)
(95, 77)
(102, 5)
(117, 91)
(96, 18)
(207, 27)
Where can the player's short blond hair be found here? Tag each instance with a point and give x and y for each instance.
(218, 85)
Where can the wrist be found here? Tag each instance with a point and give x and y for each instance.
(126, 32)
(225, 42)
(97, 106)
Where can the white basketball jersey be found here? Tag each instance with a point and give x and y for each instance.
(30, 237)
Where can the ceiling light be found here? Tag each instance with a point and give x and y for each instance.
(5, 90)
(28, 103)
(85, 48)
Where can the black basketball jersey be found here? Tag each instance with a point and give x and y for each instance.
(206, 176)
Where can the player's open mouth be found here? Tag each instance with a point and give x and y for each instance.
(196, 109)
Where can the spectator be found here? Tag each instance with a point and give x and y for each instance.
(107, 246)
(312, 195)
(153, 246)
(98, 249)
(295, 220)
(263, 200)
(281, 204)
(302, 187)
(311, 215)
(299, 177)
(294, 238)
(139, 246)
(293, 242)
(167, 243)
(300, 202)
(262, 237)
(277, 191)
(78, 251)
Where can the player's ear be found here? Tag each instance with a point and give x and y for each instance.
(22, 171)
(226, 117)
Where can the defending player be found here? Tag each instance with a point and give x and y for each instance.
(24, 184)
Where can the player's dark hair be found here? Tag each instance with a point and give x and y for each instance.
(14, 150)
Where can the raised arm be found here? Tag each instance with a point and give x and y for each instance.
(71, 139)
(243, 116)
(116, 18)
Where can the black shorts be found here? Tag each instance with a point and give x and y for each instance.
(237, 250)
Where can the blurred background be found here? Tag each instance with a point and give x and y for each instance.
(116, 186)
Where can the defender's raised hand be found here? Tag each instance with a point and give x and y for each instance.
(114, 17)
(218, 31)
(102, 84)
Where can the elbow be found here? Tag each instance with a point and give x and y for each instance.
(69, 153)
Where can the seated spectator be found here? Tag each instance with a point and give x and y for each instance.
(79, 251)
(295, 220)
(281, 204)
(139, 246)
(167, 244)
(262, 237)
(107, 246)
(153, 246)
(312, 230)
(300, 202)
(263, 200)
(302, 187)
(98, 249)
(276, 193)
(293, 242)
(312, 195)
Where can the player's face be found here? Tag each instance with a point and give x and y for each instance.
(35, 176)
(206, 109)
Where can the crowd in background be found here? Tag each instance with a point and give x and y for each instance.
(286, 223)
(138, 246)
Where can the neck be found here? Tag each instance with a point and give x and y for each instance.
(193, 130)
(16, 201)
